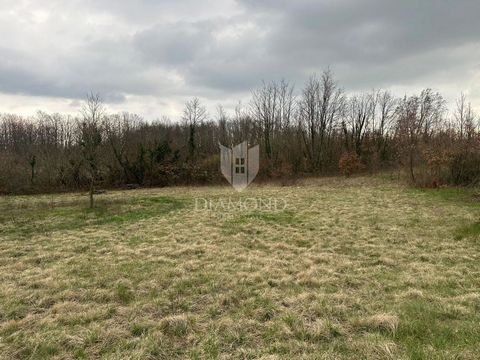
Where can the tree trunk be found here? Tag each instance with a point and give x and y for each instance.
(91, 193)
(33, 162)
(411, 165)
(191, 142)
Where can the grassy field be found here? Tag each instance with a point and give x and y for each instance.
(351, 269)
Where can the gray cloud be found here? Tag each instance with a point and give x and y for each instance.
(220, 50)
(173, 44)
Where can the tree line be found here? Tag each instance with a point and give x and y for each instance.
(317, 130)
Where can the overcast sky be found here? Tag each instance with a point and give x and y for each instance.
(149, 56)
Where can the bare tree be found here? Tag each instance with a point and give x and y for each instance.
(122, 132)
(385, 106)
(360, 114)
(320, 106)
(464, 117)
(242, 126)
(286, 104)
(264, 107)
(193, 115)
(222, 119)
(272, 108)
(430, 112)
(92, 112)
(309, 114)
(418, 118)
(383, 121)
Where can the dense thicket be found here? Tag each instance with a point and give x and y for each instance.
(316, 130)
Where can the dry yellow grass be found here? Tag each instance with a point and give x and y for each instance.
(357, 268)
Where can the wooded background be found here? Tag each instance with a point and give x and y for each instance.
(317, 130)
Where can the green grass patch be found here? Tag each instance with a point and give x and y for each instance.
(468, 231)
(466, 196)
(428, 328)
(40, 220)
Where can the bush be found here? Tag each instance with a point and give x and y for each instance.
(349, 164)
(451, 166)
(465, 168)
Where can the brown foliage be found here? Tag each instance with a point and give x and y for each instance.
(349, 164)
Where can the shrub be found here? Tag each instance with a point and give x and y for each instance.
(465, 168)
(451, 166)
(349, 164)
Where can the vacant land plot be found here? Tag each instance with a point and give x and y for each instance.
(359, 268)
